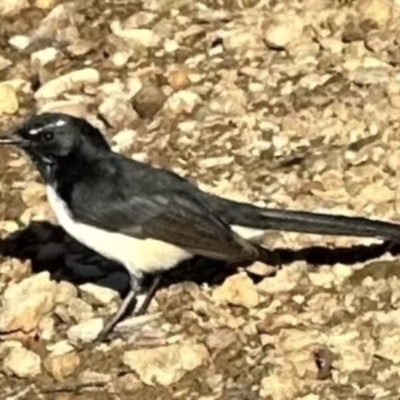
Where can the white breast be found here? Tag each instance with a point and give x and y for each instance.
(137, 255)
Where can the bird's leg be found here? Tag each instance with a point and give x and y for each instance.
(125, 308)
(149, 295)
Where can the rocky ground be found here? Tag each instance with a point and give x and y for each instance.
(283, 103)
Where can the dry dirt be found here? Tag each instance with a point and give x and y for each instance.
(291, 104)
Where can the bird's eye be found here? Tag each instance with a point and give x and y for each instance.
(48, 136)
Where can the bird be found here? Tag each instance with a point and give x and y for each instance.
(149, 219)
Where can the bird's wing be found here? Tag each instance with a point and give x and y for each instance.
(172, 216)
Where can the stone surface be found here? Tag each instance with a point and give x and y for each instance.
(12, 7)
(26, 302)
(69, 81)
(284, 30)
(237, 290)
(86, 331)
(8, 99)
(97, 295)
(287, 105)
(60, 366)
(165, 365)
(22, 363)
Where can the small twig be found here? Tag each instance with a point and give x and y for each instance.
(73, 387)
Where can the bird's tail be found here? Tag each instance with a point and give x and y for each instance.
(249, 216)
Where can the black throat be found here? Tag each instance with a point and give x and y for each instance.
(46, 165)
(62, 173)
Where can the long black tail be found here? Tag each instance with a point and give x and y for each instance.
(247, 215)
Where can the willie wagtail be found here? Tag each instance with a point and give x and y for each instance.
(150, 219)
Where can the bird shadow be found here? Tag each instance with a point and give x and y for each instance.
(50, 248)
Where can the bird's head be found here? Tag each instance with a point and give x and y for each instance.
(50, 137)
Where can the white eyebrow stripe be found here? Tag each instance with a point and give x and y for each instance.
(57, 124)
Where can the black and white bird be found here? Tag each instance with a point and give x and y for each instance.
(150, 219)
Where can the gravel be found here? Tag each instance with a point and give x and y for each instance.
(292, 105)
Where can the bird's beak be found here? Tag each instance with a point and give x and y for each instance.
(13, 139)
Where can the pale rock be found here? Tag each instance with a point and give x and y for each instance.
(58, 24)
(128, 383)
(352, 64)
(187, 127)
(78, 309)
(65, 292)
(117, 111)
(379, 41)
(393, 87)
(316, 5)
(228, 99)
(170, 46)
(378, 193)
(4, 63)
(116, 89)
(46, 328)
(393, 92)
(8, 226)
(261, 269)
(183, 101)
(323, 278)
(139, 20)
(394, 100)
(179, 79)
(12, 7)
(22, 363)
(379, 11)
(86, 331)
(304, 50)
(369, 76)
(77, 108)
(97, 295)
(243, 40)
(167, 364)
(134, 86)
(285, 280)
(71, 80)
(120, 58)
(20, 42)
(286, 29)
(7, 346)
(88, 377)
(280, 387)
(135, 323)
(19, 85)
(14, 270)
(139, 37)
(372, 62)
(335, 46)
(124, 139)
(26, 302)
(389, 344)
(8, 99)
(221, 339)
(42, 57)
(355, 351)
(310, 396)
(60, 348)
(45, 4)
(33, 193)
(341, 273)
(212, 15)
(60, 366)
(239, 290)
(80, 47)
(298, 345)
